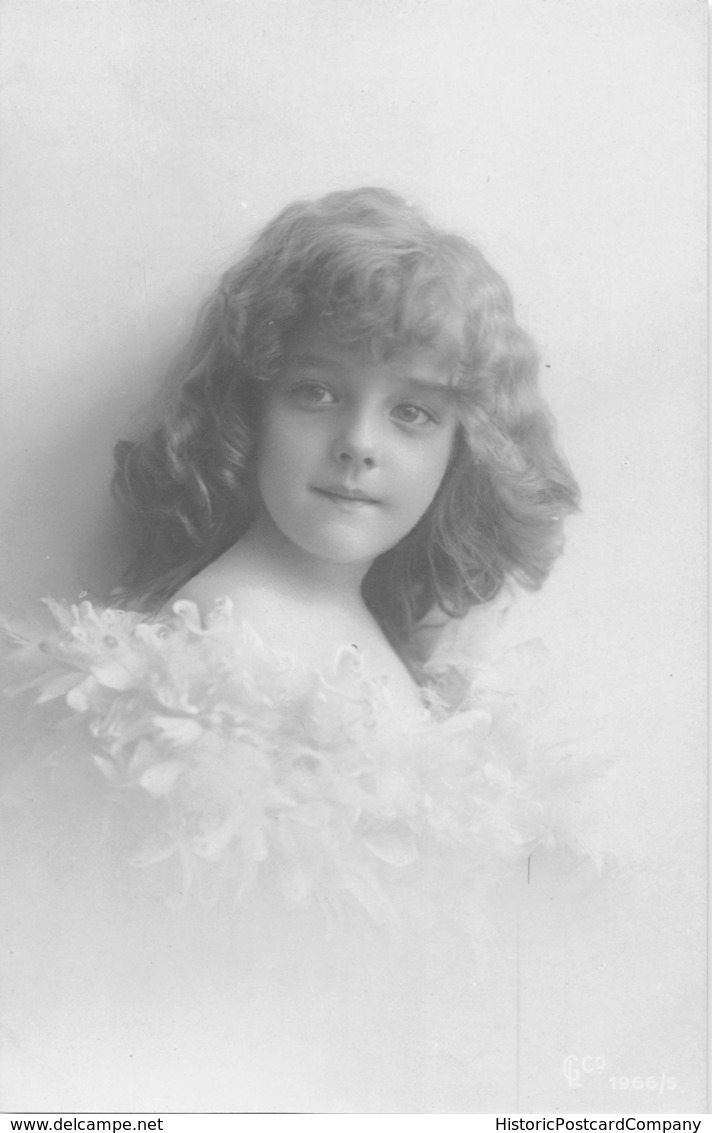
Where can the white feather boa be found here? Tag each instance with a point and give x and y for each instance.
(240, 769)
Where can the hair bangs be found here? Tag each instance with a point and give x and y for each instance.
(397, 304)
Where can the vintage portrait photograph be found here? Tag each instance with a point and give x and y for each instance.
(353, 556)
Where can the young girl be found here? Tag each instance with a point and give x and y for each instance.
(353, 440)
(353, 453)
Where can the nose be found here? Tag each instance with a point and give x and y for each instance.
(357, 441)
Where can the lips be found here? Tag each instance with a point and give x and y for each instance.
(346, 495)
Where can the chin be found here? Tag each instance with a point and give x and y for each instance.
(343, 556)
(342, 550)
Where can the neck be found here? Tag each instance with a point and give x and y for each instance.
(314, 579)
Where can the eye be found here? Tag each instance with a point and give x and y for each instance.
(312, 394)
(410, 414)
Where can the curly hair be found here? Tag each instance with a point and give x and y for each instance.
(370, 268)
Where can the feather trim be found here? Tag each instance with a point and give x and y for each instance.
(242, 763)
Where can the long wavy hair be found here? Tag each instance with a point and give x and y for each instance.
(370, 268)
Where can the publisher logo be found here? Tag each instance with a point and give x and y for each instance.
(576, 1068)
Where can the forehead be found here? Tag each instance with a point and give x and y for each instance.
(314, 346)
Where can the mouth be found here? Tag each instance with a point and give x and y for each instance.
(353, 496)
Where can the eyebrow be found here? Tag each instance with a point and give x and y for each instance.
(439, 389)
(315, 362)
(443, 390)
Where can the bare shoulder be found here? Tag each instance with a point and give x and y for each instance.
(213, 584)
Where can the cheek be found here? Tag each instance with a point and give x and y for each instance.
(281, 450)
(431, 465)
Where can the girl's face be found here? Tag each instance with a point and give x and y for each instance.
(352, 449)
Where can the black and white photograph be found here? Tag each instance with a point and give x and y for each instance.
(353, 508)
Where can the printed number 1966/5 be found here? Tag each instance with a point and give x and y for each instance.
(658, 1083)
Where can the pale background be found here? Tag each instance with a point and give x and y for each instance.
(144, 141)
